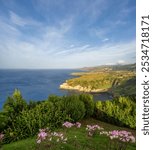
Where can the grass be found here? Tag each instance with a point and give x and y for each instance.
(77, 139)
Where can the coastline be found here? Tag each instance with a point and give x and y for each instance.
(66, 86)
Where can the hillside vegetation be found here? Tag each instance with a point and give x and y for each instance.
(77, 139)
(20, 120)
(115, 79)
(116, 82)
(75, 121)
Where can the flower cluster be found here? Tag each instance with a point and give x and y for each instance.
(123, 135)
(1, 136)
(92, 129)
(78, 124)
(42, 135)
(58, 137)
(45, 136)
(69, 124)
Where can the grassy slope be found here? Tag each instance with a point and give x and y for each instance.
(83, 142)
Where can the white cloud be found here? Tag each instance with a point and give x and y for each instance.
(121, 62)
(119, 53)
(104, 40)
(99, 32)
(17, 20)
(7, 30)
(52, 48)
(22, 21)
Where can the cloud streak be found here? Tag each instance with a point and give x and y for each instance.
(63, 40)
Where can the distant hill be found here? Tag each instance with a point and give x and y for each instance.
(128, 67)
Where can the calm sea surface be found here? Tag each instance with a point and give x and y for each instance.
(36, 84)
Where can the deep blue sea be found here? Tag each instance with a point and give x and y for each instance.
(36, 84)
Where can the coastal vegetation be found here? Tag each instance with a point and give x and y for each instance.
(119, 80)
(120, 111)
(116, 82)
(21, 120)
(68, 122)
(77, 138)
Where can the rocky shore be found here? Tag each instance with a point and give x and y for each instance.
(66, 86)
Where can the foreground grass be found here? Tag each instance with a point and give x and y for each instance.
(77, 139)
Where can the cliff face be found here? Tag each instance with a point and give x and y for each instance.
(66, 86)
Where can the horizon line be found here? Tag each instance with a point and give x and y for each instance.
(65, 68)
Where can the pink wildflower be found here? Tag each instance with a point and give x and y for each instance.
(123, 136)
(1, 136)
(42, 135)
(78, 124)
(68, 124)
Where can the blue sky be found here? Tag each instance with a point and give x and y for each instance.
(66, 33)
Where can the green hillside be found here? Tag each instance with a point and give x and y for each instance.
(116, 82)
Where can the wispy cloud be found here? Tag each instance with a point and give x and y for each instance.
(65, 34)
(17, 20)
(22, 21)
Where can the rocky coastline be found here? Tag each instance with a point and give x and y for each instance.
(66, 86)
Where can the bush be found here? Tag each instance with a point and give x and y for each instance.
(73, 107)
(89, 104)
(12, 108)
(21, 120)
(32, 104)
(14, 104)
(30, 121)
(121, 111)
(3, 121)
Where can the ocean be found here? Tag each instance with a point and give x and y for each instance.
(36, 84)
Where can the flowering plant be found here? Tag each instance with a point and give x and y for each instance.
(123, 136)
(118, 139)
(69, 124)
(42, 135)
(1, 138)
(93, 129)
(50, 139)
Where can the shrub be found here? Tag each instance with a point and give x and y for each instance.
(89, 104)
(30, 121)
(121, 111)
(14, 104)
(3, 121)
(36, 118)
(73, 107)
(12, 108)
(32, 104)
(54, 99)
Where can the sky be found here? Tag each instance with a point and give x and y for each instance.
(51, 34)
